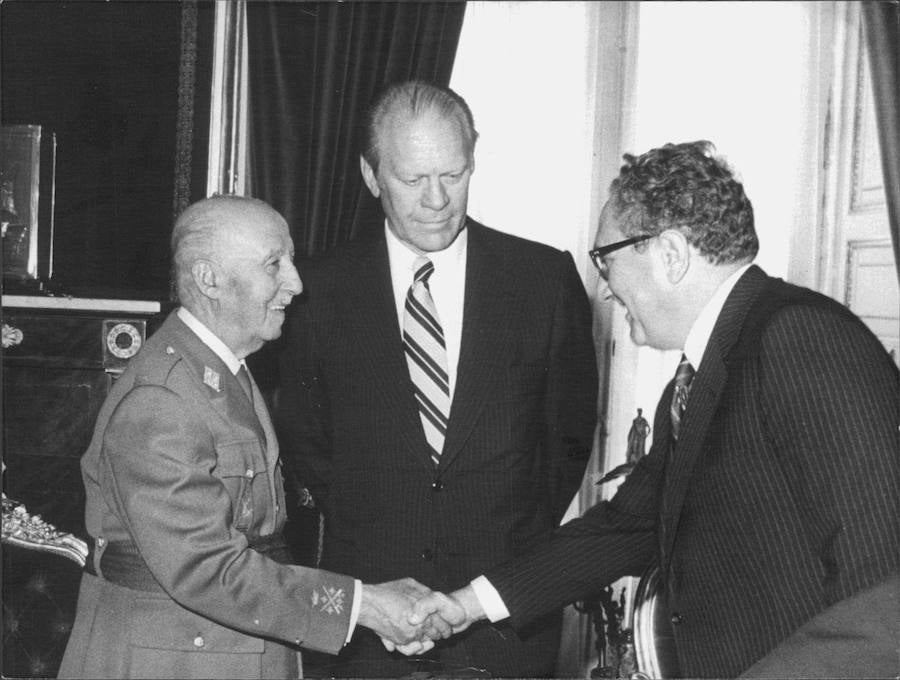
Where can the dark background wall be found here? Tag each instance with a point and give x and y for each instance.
(104, 77)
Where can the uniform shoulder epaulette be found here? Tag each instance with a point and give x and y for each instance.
(156, 363)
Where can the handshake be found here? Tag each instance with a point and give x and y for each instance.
(410, 617)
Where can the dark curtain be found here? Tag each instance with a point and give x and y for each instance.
(882, 25)
(313, 69)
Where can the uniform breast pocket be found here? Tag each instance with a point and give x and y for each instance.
(242, 469)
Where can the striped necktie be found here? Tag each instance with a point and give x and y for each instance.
(426, 356)
(683, 376)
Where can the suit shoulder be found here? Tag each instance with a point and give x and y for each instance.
(784, 303)
(513, 245)
(789, 315)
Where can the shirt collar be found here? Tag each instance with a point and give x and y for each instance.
(702, 328)
(402, 258)
(208, 338)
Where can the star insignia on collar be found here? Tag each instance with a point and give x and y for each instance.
(211, 378)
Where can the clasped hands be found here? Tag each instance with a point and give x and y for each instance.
(410, 617)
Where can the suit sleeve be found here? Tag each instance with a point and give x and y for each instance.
(158, 462)
(613, 539)
(571, 405)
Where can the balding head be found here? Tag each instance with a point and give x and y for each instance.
(234, 269)
(203, 232)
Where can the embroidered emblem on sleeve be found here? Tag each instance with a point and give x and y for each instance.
(329, 600)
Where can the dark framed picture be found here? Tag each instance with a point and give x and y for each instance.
(26, 193)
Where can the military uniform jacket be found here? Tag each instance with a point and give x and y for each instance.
(780, 502)
(182, 466)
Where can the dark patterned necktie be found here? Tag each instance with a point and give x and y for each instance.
(243, 376)
(426, 356)
(683, 377)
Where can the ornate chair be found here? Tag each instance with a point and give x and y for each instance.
(39, 592)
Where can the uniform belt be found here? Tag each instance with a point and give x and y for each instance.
(121, 562)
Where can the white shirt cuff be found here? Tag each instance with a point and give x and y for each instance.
(489, 599)
(354, 610)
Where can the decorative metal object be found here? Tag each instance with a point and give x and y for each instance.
(633, 638)
(25, 530)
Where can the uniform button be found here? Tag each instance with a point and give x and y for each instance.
(199, 641)
(248, 474)
(437, 485)
(427, 555)
(676, 618)
(170, 350)
(101, 541)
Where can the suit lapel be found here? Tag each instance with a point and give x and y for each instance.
(481, 350)
(374, 310)
(706, 391)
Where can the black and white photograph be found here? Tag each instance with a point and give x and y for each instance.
(444, 339)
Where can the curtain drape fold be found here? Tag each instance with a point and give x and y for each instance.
(882, 26)
(313, 69)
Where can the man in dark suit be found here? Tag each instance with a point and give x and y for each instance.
(769, 500)
(438, 387)
(188, 576)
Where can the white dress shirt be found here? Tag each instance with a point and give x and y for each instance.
(694, 347)
(447, 285)
(702, 328)
(221, 350)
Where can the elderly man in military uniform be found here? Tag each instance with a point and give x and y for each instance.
(188, 576)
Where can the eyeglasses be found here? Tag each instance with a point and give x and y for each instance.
(597, 254)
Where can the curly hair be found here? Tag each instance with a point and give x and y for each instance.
(413, 98)
(685, 187)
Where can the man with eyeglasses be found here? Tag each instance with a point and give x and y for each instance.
(769, 500)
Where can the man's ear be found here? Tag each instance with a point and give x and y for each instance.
(676, 254)
(369, 177)
(206, 277)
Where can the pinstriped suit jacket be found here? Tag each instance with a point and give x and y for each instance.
(781, 500)
(518, 440)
